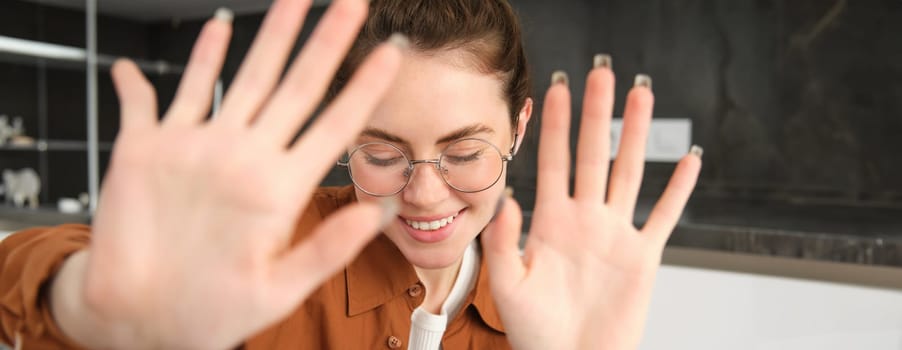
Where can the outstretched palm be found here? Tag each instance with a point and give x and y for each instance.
(586, 276)
(191, 247)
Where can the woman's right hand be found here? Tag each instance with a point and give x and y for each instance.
(190, 245)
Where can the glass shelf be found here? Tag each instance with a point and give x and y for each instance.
(30, 52)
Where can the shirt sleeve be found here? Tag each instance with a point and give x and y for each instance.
(28, 260)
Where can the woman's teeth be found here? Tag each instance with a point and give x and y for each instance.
(430, 225)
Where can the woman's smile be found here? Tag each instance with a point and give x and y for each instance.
(431, 228)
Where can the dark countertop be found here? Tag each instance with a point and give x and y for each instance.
(14, 219)
(805, 230)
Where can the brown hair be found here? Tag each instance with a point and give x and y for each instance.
(487, 30)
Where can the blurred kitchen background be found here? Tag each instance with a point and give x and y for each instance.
(792, 238)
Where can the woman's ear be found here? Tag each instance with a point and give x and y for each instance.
(522, 121)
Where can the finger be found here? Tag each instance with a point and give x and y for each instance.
(332, 245)
(309, 77)
(137, 97)
(195, 93)
(594, 147)
(316, 152)
(501, 248)
(554, 142)
(264, 63)
(626, 176)
(667, 211)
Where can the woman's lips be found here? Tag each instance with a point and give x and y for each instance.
(430, 229)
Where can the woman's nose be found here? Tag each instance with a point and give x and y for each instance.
(426, 187)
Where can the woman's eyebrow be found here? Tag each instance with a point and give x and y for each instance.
(384, 135)
(465, 132)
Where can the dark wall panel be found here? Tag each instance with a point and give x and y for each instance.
(796, 100)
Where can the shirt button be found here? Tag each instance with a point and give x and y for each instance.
(415, 290)
(394, 342)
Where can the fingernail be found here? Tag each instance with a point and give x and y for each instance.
(399, 40)
(602, 61)
(643, 80)
(390, 210)
(224, 14)
(697, 150)
(559, 77)
(508, 193)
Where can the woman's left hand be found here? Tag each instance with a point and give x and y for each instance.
(586, 276)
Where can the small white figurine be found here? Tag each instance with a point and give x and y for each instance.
(21, 186)
(68, 206)
(72, 205)
(17, 136)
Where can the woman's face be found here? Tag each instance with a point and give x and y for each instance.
(437, 99)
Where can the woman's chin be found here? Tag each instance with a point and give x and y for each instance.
(432, 257)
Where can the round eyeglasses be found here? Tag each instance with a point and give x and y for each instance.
(466, 165)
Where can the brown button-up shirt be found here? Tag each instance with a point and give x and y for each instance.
(366, 306)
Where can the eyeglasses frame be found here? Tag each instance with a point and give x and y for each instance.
(413, 162)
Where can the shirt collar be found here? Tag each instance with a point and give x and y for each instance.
(483, 301)
(379, 274)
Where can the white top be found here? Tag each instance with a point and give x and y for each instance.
(427, 329)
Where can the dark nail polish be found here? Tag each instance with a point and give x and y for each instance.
(697, 151)
(602, 61)
(560, 77)
(642, 80)
(224, 14)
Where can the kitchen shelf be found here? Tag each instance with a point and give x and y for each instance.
(50, 56)
(56, 145)
(21, 51)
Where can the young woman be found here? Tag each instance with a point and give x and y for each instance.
(212, 234)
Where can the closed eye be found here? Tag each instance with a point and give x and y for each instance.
(465, 158)
(384, 162)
